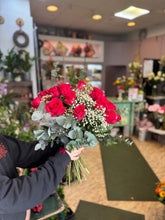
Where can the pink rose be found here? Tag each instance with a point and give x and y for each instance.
(81, 85)
(154, 108)
(36, 102)
(79, 112)
(55, 107)
(96, 93)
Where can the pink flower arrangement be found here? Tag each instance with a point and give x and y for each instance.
(158, 111)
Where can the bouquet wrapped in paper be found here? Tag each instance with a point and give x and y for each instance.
(76, 117)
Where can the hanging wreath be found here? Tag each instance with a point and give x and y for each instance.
(21, 33)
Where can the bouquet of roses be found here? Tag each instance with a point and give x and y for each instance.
(76, 117)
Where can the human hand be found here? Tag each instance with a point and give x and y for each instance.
(74, 154)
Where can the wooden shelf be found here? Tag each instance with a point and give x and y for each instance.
(20, 91)
(20, 84)
(156, 131)
(160, 97)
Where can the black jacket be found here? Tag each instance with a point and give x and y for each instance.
(19, 193)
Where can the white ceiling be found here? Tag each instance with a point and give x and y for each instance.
(76, 14)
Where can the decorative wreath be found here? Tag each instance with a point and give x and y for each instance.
(15, 39)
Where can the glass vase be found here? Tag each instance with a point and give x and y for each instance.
(154, 90)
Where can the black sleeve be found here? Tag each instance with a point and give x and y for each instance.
(24, 154)
(21, 193)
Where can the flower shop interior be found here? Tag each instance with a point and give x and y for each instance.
(45, 43)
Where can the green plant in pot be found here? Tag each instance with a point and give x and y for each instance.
(26, 63)
(11, 65)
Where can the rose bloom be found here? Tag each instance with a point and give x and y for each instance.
(64, 87)
(81, 85)
(70, 97)
(36, 102)
(69, 94)
(154, 108)
(96, 93)
(102, 101)
(43, 93)
(54, 91)
(55, 107)
(79, 112)
(111, 117)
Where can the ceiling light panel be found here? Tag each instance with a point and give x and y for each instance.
(131, 13)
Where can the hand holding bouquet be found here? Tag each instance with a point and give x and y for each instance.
(75, 117)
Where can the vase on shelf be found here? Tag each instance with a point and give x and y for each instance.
(8, 76)
(157, 123)
(125, 94)
(154, 90)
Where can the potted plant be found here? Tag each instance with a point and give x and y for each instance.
(26, 63)
(15, 64)
(11, 65)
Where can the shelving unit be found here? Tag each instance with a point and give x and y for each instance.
(22, 91)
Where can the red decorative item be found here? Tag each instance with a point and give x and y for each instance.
(37, 208)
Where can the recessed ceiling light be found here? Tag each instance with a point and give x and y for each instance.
(131, 13)
(97, 17)
(52, 8)
(131, 24)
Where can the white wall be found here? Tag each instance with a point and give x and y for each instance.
(11, 10)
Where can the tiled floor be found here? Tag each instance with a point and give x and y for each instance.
(93, 189)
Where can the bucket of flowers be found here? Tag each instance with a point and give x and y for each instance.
(75, 117)
(160, 191)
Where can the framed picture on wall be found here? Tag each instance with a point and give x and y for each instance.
(150, 65)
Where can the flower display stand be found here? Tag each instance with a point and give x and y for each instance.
(127, 112)
(52, 206)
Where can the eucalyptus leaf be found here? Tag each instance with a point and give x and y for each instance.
(37, 147)
(60, 120)
(41, 107)
(79, 133)
(37, 115)
(91, 139)
(72, 134)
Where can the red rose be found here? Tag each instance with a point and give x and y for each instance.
(55, 107)
(112, 117)
(102, 101)
(54, 91)
(64, 87)
(79, 112)
(43, 93)
(36, 102)
(81, 85)
(69, 95)
(96, 92)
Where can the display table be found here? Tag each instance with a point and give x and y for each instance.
(51, 206)
(127, 112)
(160, 133)
(156, 99)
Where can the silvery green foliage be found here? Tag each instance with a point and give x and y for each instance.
(37, 115)
(75, 133)
(91, 139)
(41, 145)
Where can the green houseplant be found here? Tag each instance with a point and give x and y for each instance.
(16, 63)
